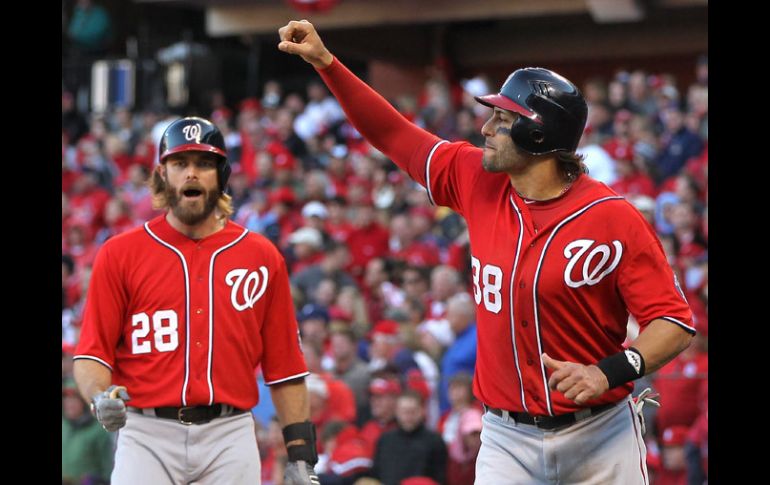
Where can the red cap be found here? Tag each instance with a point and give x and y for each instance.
(250, 104)
(422, 210)
(337, 313)
(380, 386)
(415, 380)
(623, 115)
(385, 327)
(674, 436)
(418, 481)
(283, 159)
(221, 114)
(282, 194)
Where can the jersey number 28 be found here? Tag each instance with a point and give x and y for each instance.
(166, 337)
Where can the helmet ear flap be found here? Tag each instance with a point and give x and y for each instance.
(537, 135)
(223, 171)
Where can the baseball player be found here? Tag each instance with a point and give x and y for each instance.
(179, 313)
(558, 262)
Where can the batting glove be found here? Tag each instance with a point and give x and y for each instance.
(645, 397)
(109, 407)
(300, 473)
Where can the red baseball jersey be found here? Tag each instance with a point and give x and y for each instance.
(558, 277)
(184, 322)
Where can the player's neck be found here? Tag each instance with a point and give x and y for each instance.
(539, 181)
(205, 228)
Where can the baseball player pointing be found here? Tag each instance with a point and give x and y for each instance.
(558, 261)
(179, 314)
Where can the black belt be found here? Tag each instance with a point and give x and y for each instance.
(191, 414)
(552, 422)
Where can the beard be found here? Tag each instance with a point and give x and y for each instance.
(191, 212)
(506, 158)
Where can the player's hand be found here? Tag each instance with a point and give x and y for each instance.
(300, 473)
(300, 38)
(647, 396)
(110, 407)
(579, 383)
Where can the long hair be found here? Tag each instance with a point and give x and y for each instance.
(160, 202)
(570, 164)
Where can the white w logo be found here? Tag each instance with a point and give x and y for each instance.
(192, 132)
(598, 272)
(252, 291)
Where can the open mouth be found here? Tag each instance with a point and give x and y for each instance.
(192, 193)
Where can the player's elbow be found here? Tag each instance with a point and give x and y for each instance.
(684, 339)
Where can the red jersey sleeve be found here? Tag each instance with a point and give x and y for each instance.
(104, 311)
(649, 286)
(282, 359)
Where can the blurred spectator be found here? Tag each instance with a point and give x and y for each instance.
(411, 449)
(335, 258)
(368, 239)
(384, 391)
(461, 354)
(321, 112)
(680, 383)
(464, 449)
(348, 367)
(460, 397)
(678, 145)
(600, 164)
(444, 283)
(388, 349)
(673, 464)
(346, 456)
(378, 291)
(86, 447)
(305, 250)
(73, 124)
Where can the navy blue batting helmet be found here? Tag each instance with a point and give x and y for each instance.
(196, 134)
(553, 111)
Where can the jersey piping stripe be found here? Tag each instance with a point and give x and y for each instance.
(352, 464)
(534, 291)
(91, 357)
(186, 309)
(427, 170)
(638, 444)
(211, 311)
(295, 376)
(510, 306)
(688, 328)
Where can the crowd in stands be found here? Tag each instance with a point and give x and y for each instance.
(380, 278)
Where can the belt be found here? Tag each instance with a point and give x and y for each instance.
(551, 422)
(190, 414)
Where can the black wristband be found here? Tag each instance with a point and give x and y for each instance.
(306, 453)
(625, 366)
(301, 431)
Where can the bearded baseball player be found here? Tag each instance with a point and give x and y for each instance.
(179, 314)
(558, 261)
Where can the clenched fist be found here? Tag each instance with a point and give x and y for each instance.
(300, 38)
(109, 407)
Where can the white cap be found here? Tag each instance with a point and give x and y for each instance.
(643, 203)
(315, 208)
(307, 235)
(339, 151)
